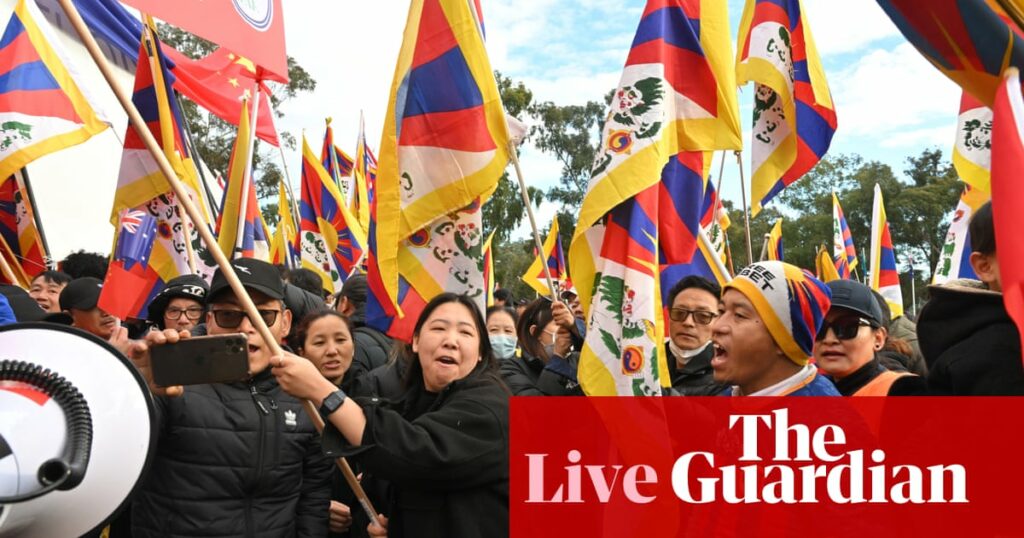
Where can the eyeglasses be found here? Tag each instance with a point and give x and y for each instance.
(192, 313)
(701, 317)
(231, 319)
(844, 328)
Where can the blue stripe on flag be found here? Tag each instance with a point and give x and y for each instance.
(443, 84)
(31, 76)
(14, 29)
(671, 25)
(813, 129)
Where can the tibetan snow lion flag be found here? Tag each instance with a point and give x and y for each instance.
(676, 95)
(794, 116)
(954, 258)
(331, 242)
(554, 257)
(444, 147)
(18, 226)
(774, 242)
(250, 28)
(844, 254)
(44, 104)
(241, 231)
(972, 150)
(970, 41)
(885, 276)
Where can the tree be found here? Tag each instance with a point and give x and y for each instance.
(572, 134)
(505, 209)
(214, 137)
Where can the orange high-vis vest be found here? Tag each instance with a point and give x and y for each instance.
(880, 385)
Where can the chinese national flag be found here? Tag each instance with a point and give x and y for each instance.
(1008, 191)
(218, 83)
(250, 28)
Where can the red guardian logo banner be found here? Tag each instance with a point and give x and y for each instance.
(766, 466)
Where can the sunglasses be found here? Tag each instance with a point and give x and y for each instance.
(843, 328)
(192, 313)
(701, 317)
(231, 319)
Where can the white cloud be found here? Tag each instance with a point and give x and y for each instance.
(916, 138)
(847, 26)
(887, 91)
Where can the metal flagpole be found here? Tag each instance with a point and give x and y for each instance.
(35, 217)
(746, 213)
(139, 124)
(764, 248)
(513, 154)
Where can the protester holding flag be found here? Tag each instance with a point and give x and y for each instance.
(764, 334)
(215, 438)
(547, 365)
(848, 343)
(969, 341)
(444, 447)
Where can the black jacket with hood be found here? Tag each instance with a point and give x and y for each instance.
(969, 341)
(234, 459)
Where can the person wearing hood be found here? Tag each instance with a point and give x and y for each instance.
(969, 341)
(180, 305)
(764, 332)
(847, 345)
(694, 306)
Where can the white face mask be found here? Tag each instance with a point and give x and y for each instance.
(504, 346)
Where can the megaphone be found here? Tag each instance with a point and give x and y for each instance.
(76, 431)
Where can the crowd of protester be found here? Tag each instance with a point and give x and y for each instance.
(425, 424)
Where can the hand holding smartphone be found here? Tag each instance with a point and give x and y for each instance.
(200, 360)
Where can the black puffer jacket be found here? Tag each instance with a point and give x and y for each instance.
(441, 458)
(970, 343)
(239, 459)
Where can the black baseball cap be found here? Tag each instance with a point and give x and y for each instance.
(857, 297)
(81, 293)
(255, 275)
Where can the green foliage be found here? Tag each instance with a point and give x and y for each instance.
(214, 137)
(572, 134)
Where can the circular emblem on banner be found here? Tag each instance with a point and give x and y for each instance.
(632, 360)
(257, 13)
(421, 238)
(620, 141)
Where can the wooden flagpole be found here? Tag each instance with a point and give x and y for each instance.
(228, 271)
(513, 155)
(36, 218)
(746, 213)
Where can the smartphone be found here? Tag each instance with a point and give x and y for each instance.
(201, 360)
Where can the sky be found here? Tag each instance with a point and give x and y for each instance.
(891, 103)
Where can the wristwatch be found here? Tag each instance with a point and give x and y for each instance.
(331, 403)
